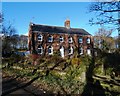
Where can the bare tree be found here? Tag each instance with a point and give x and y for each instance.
(107, 13)
(104, 41)
(9, 41)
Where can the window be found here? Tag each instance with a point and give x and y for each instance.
(50, 50)
(50, 38)
(70, 40)
(80, 40)
(88, 40)
(70, 50)
(40, 37)
(40, 49)
(61, 39)
(80, 50)
(89, 51)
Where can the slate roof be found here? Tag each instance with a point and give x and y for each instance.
(57, 29)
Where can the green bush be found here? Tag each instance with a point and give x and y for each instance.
(98, 70)
(75, 61)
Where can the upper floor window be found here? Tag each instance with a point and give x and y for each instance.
(70, 50)
(80, 50)
(61, 39)
(80, 40)
(40, 37)
(50, 50)
(88, 40)
(40, 49)
(50, 38)
(70, 40)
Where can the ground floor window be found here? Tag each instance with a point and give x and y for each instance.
(70, 50)
(80, 50)
(50, 50)
(40, 50)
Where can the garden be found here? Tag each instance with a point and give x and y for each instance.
(65, 76)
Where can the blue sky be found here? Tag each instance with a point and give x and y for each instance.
(20, 14)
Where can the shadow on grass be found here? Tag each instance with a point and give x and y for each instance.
(20, 86)
(108, 81)
(11, 79)
(56, 65)
(91, 88)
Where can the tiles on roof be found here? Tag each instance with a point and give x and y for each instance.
(56, 29)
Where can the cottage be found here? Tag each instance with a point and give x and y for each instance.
(46, 40)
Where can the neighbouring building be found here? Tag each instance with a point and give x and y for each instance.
(23, 42)
(46, 40)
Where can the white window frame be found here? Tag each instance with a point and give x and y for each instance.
(70, 50)
(40, 48)
(80, 50)
(70, 40)
(80, 40)
(40, 37)
(50, 38)
(61, 39)
(88, 40)
(51, 50)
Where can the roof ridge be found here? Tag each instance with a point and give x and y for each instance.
(58, 29)
(56, 26)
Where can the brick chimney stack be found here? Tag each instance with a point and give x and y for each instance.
(67, 23)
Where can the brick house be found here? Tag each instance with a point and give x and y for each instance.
(46, 40)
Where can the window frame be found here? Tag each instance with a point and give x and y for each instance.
(50, 50)
(50, 38)
(81, 51)
(61, 39)
(88, 41)
(40, 48)
(40, 37)
(70, 50)
(80, 40)
(70, 39)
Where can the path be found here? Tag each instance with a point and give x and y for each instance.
(12, 86)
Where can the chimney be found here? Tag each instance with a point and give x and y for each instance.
(67, 23)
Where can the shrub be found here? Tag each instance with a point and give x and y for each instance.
(75, 61)
(86, 60)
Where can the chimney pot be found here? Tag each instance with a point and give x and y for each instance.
(67, 23)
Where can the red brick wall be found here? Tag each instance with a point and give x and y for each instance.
(56, 44)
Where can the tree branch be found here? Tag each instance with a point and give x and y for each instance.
(112, 10)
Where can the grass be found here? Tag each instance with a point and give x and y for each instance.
(66, 81)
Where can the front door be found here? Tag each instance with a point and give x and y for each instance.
(62, 51)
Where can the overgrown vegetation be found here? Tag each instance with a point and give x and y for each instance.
(63, 76)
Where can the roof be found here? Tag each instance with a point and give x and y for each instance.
(57, 29)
